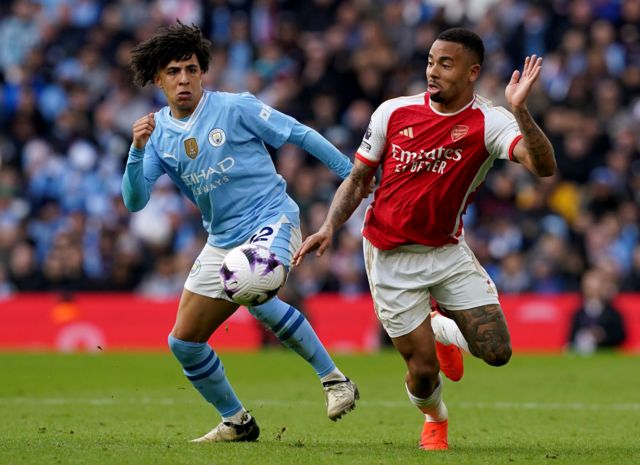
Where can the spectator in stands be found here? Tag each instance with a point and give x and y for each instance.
(6, 288)
(632, 281)
(596, 323)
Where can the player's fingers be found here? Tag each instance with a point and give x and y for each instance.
(515, 77)
(145, 120)
(323, 246)
(140, 125)
(535, 73)
(297, 257)
(307, 246)
(142, 131)
(142, 119)
(526, 63)
(537, 66)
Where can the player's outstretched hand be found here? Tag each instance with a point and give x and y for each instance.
(518, 89)
(320, 241)
(142, 130)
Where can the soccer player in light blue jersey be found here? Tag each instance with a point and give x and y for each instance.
(211, 144)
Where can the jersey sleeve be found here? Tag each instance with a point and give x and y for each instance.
(312, 142)
(270, 125)
(374, 140)
(140, 174)
(501, 133)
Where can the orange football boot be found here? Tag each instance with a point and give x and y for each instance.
(435, 435)
(451, 362)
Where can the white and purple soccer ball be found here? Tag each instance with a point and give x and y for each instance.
(251, 274)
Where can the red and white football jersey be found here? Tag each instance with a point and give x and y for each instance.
(432, 163)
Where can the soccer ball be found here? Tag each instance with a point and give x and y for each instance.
(251, 274)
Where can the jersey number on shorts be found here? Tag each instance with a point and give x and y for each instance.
(262, 235)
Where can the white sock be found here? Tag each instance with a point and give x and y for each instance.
(446, 331)
(239, 418)
(335, 375)
(433, 407)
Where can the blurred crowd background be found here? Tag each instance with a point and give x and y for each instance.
(67, 104)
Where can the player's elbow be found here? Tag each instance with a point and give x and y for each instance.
(544, 170)
(133, 206)
(134, 199)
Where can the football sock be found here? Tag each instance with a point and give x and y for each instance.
(204, 369)
(335, 375)
(295, 332)
(446, 331)
(433, 407)
(239, 418)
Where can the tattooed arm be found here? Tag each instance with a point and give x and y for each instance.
(348, 196)
(534, 150)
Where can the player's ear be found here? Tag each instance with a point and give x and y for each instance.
(474, 72)
(157, 81)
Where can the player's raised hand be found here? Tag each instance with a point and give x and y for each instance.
(518, 89)
(142, 130)
(320, 241)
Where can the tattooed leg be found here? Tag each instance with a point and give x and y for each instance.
(486, 332)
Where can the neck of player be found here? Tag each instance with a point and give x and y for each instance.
(181, 109)
(454, 105)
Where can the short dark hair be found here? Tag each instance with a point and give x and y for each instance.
(468, 39)
(177, 42)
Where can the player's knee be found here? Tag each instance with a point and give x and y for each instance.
(424, 370)
(498, 357)
(175, 345)
(185, 351)
(268, 313)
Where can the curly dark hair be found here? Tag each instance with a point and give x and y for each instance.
(468, 39)
(177, 42)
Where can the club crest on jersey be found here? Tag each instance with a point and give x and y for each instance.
(191, 148)
(458, 132)
(217, 137)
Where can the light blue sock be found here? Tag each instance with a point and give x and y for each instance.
(205, 371)
(295, 332)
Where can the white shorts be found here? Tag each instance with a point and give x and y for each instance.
(402, 281)
(281, 237)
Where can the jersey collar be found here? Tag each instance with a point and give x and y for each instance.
(186, 125)
(468, 105)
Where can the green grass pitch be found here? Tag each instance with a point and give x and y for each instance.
(116, 408)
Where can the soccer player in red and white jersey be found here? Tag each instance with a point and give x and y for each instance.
(434, 150)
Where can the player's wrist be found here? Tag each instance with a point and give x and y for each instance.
(327, 229)
(136, 151)
(520, 108)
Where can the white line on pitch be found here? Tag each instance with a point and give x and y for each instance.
(365, 403)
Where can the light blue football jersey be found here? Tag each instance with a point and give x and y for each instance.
(218, 159)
